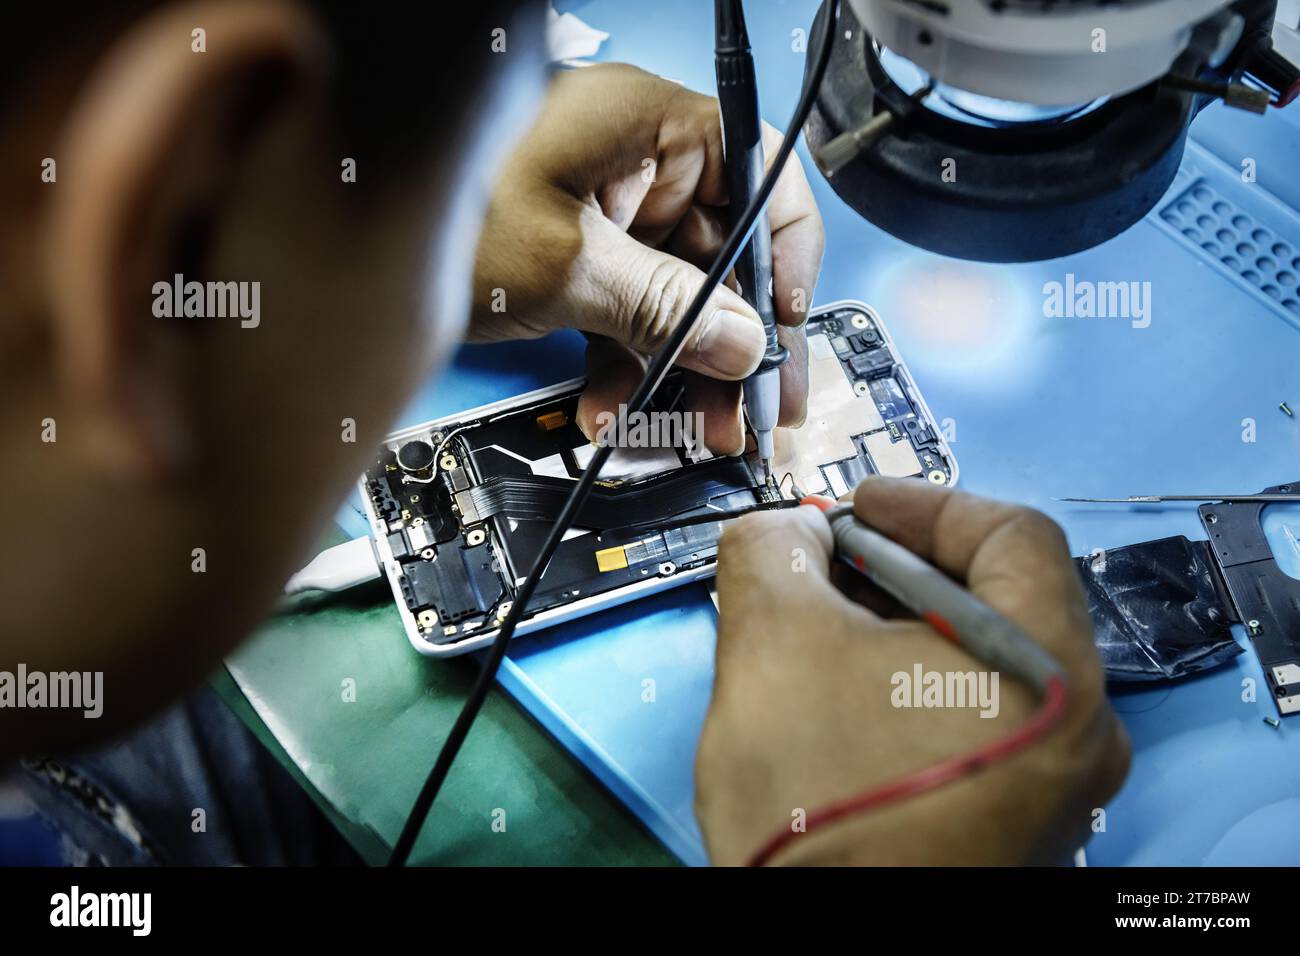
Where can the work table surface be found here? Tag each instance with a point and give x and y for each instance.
(1041, 407)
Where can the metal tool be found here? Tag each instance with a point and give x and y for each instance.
(1155, 499)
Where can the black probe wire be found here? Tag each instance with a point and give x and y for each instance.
(654, 376)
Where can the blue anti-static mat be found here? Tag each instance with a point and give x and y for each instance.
(1043, 407)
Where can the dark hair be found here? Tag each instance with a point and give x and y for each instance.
(403, 65)
(400, 66)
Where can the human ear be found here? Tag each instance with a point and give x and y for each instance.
(160, 124)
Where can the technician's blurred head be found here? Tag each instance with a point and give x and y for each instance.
(331, 160)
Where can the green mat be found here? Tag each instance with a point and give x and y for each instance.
(338, 695)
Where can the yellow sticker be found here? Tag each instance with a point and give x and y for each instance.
(552, 420)
(611, 559)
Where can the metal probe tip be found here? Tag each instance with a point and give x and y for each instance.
(762, 397)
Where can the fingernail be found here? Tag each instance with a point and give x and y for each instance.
(732, 344)
(820, 502)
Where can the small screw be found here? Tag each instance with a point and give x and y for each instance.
(1273, 722)
(1286, 409)
(1253, 626)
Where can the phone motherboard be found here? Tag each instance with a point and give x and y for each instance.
(460, 507)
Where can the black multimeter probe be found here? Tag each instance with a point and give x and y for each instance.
(742, 143)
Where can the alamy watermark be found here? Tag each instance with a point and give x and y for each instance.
(61, 690)
(1085, 299)
(625, 429)
(209, 300)
(133, 911)
(958, 689)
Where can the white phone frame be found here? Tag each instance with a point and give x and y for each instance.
(597, 602)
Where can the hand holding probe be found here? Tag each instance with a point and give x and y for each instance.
(963, 619)
(742, 141)
(937, 599)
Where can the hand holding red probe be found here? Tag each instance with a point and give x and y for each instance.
(806, 756)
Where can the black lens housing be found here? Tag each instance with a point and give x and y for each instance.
(1014, 193)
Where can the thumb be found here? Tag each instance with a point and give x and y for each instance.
(772, 559)
(638, 295)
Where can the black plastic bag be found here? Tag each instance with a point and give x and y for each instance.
(1158, 610)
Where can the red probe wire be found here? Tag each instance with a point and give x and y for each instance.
(937, 775)
(932, 777)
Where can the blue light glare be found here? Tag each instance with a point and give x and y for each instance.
(977, 324)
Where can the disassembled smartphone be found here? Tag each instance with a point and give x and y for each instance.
(460, 507)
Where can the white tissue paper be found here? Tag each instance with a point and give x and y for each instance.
(568, 38)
